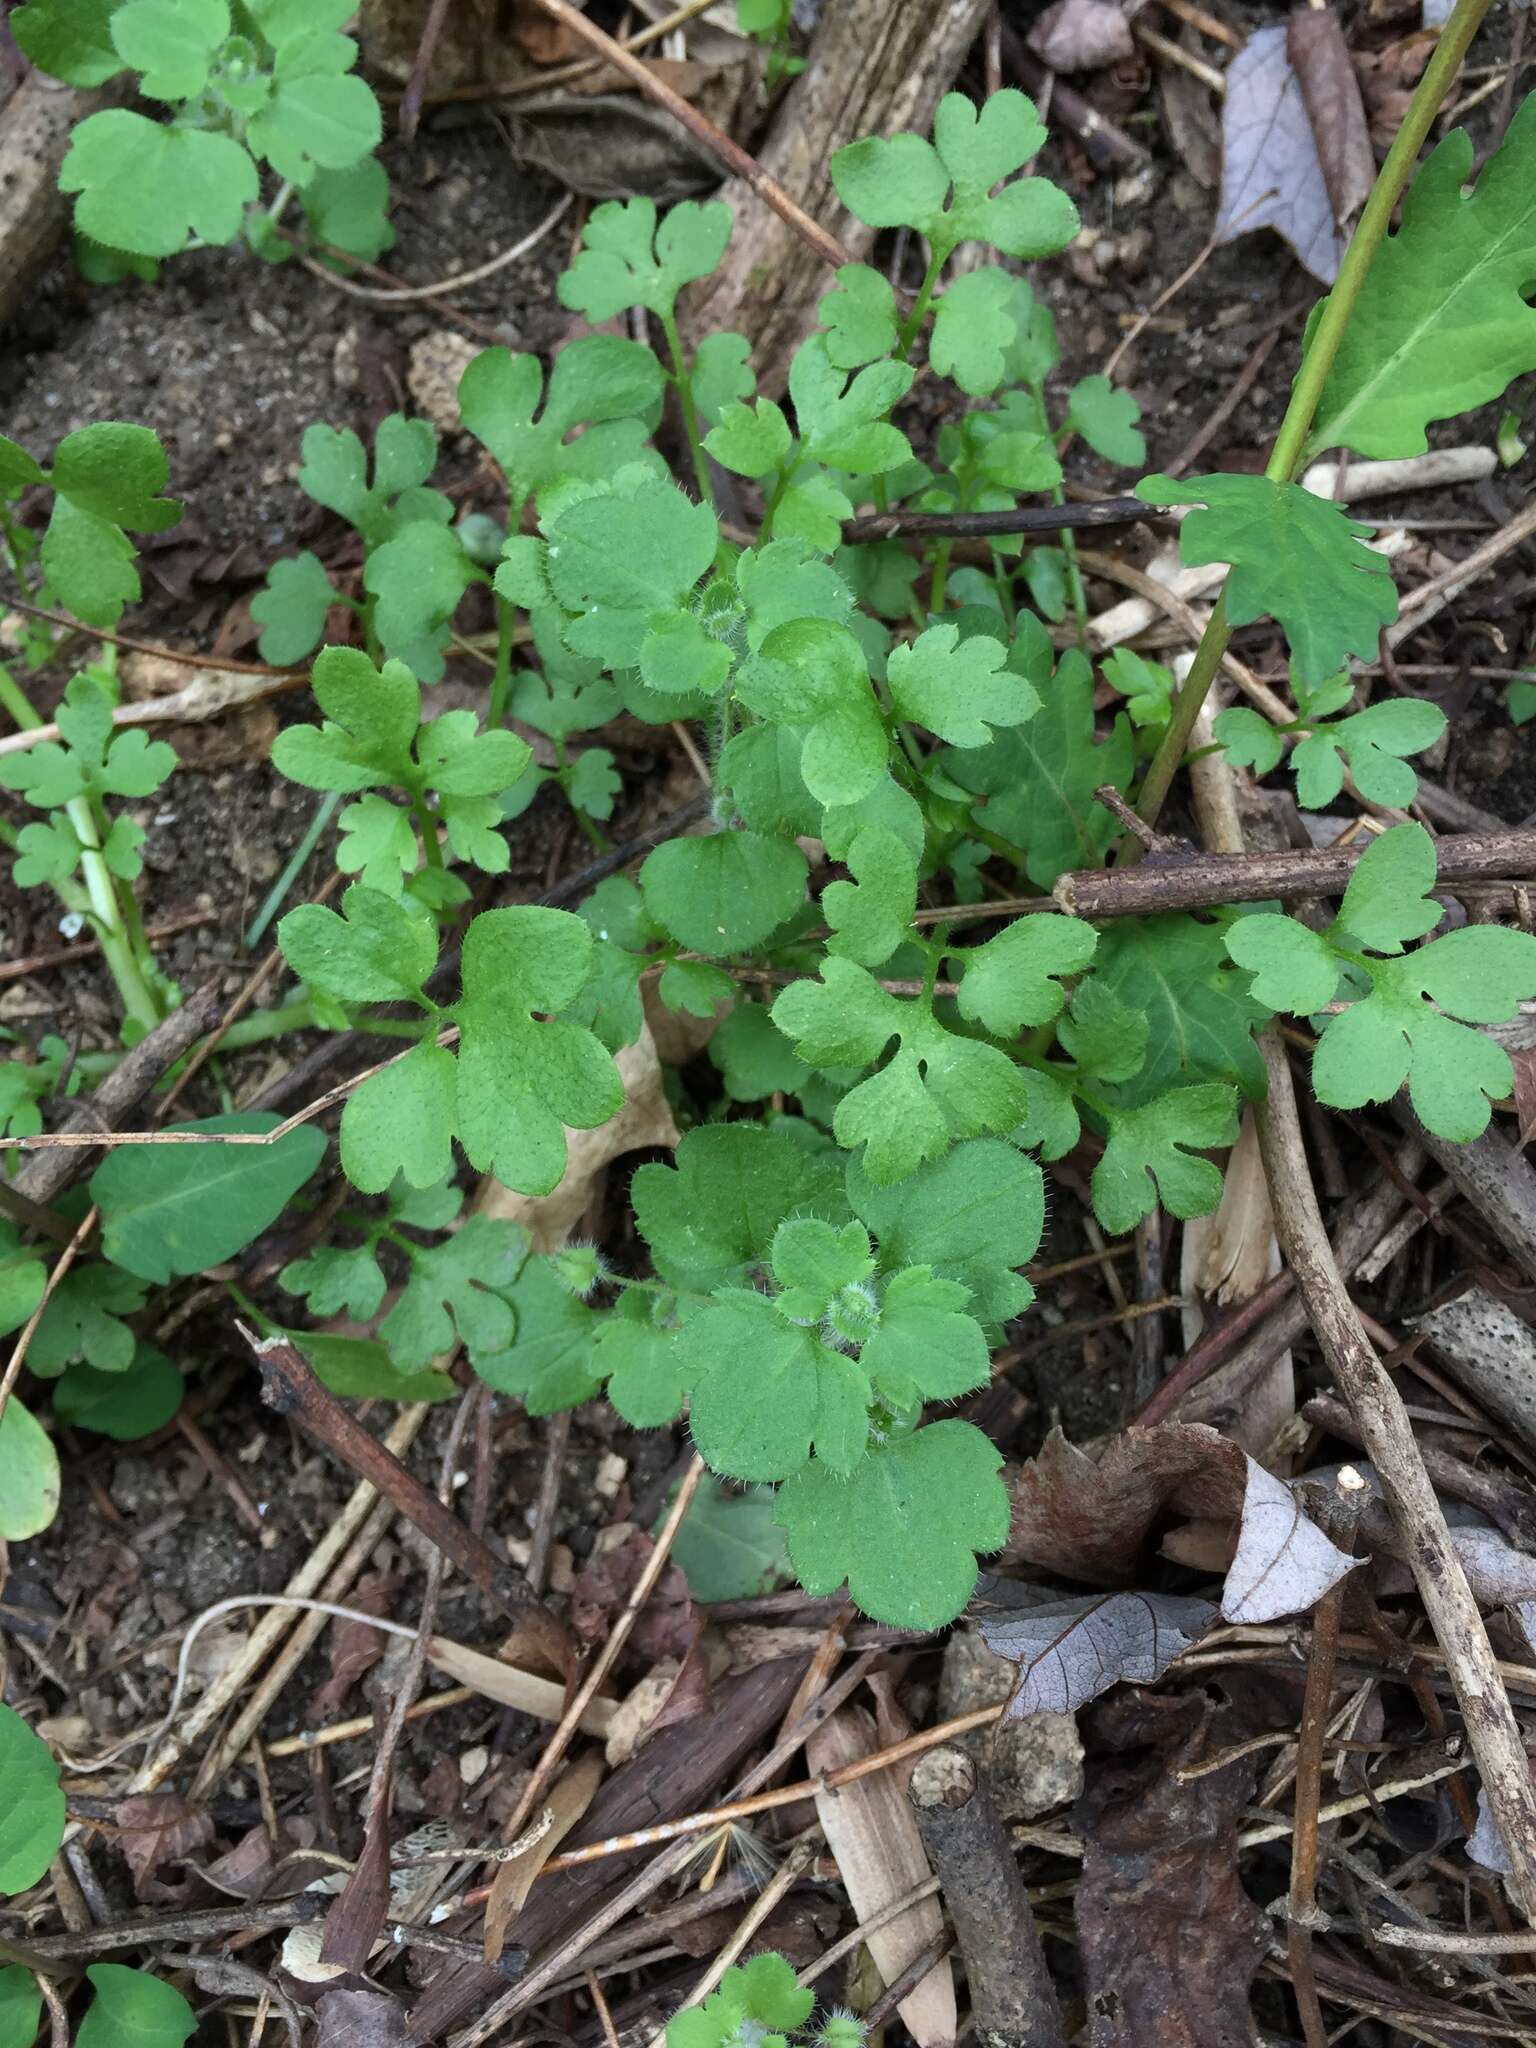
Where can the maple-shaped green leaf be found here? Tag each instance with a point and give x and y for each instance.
(316, 117)
(549, 1361)
(1011, 982)
(925, 1346)
(753, 1057)
(937, 1088)
(85, 1321)
(750, 440)
(764, 1390)
(375, 951)
(972, 1216)
(1292, 965)
(1105, 1038)
(710, 1220)
(1107, 420)
(721, 372)
(904, 1529)
(972, 330)
(1158, 1143)
(92, 759)
(859, 317)
(626, 260)
(787, 582)
(1373, 743)
(764, 1994)
(401, 1121)
(1147, 685)
(566, 693)
(620, 560)
(1039, 778)
(1298, 558)
(148, 189)
(456, 1286)
(337, 1280)
(608, 386)
(1174, 971)
(172, 42)
(959, 689)
(371, 715)
(107, 481)
(1480, 974)
(1443, 321)
(813, 676)
(69, 39)
(292, 608)
(635, 1349)
(349, 209)
(816, 1264)
(1249, 738)
(1387, 902)
(377, 843)
(871, 915)
(521, 1080)
(335, 474)
(841, 420)
(723, 892)
(905, 181)
(813, 509)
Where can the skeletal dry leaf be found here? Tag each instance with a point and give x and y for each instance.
(1082, 35)
(1284, 1562)
(1271, 173)
(360, 2019)
(645, 1120)
(569, 1799)
(1330, 88)
(872, 1833)
(1069, 1651)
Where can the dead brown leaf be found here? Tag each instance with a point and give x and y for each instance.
(354, 1647)
(361, 2019)
(1272, 174)
(1321, 60)
(669, 1625)
(569, 1799)
(1168, 1939)
(1094, 1521)
(1082, 35)
(159, 1828)
(1068, 1651)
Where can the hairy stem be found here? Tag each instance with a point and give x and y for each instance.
(684, 382)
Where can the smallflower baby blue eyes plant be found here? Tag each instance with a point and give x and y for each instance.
(828, 1264)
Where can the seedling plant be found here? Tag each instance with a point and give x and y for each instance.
(903, 1030)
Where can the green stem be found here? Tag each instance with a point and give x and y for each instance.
(1002, 577)
(1290, 447)
(1068, 539)
(426, 825)
(255, 1028)
(919, 313)
(117, 948)
(501, 680)
(940, 577)
(15, 701)
(684, 382)
(277, 895)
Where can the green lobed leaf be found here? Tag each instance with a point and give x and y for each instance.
(710, 1219)
(841, 420)
(172, 42)
(904, 181)
(959, 689)
(812, 676)
(872, 915)
(348, 209)
(972, 1216)
(723, 892)
(1443, 321)
(1010, 983)
(1174, 972)
(292, 608)
(457, 1286)
(69, 39)
(1107, 420)
(627, 260)
(859, 317)
(972, 330)
(763, 1391)
(729, 1547)
(904, 1529)
(1298, 558)
(148, 189)
(1387, 902)
(937, 1088)
(178, 1209)
(375, 951)
(31, 1804)
(1373, 743)
(1040, 777)
(549, 1361)
(609, 386)
(1292, 966)
(1158, 1143)
(417, 579)
(85, 1321)
(1249, 738)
